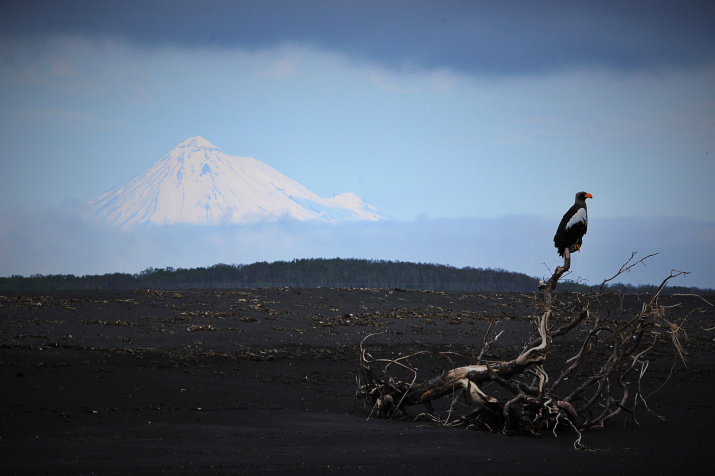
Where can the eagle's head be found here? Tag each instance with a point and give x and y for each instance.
(582, 196)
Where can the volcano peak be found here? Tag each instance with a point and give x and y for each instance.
(197, 183)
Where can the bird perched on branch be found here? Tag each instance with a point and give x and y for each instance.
(573, 225)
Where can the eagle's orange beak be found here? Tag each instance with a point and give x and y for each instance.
(588, 195)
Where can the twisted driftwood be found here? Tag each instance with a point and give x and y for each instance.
(536, 400)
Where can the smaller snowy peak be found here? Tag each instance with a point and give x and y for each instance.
(352, 202)
(347, 199)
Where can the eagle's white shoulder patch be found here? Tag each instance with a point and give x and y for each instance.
(579, 216)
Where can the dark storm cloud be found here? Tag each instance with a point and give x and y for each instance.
(478, 37)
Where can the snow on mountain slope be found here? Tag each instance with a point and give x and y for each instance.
(197, 183)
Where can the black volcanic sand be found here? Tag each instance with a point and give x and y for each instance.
(263, 381)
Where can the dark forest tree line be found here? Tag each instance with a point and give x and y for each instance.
(305, 273)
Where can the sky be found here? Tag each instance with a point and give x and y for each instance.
(469, 124)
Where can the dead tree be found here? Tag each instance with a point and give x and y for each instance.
(607, 344)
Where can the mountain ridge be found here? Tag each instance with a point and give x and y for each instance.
(338, 273)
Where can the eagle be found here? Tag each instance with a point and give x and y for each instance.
(573, 225)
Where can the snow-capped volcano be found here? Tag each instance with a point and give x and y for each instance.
(197, 183)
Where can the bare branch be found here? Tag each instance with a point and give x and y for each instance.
(627, 266)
